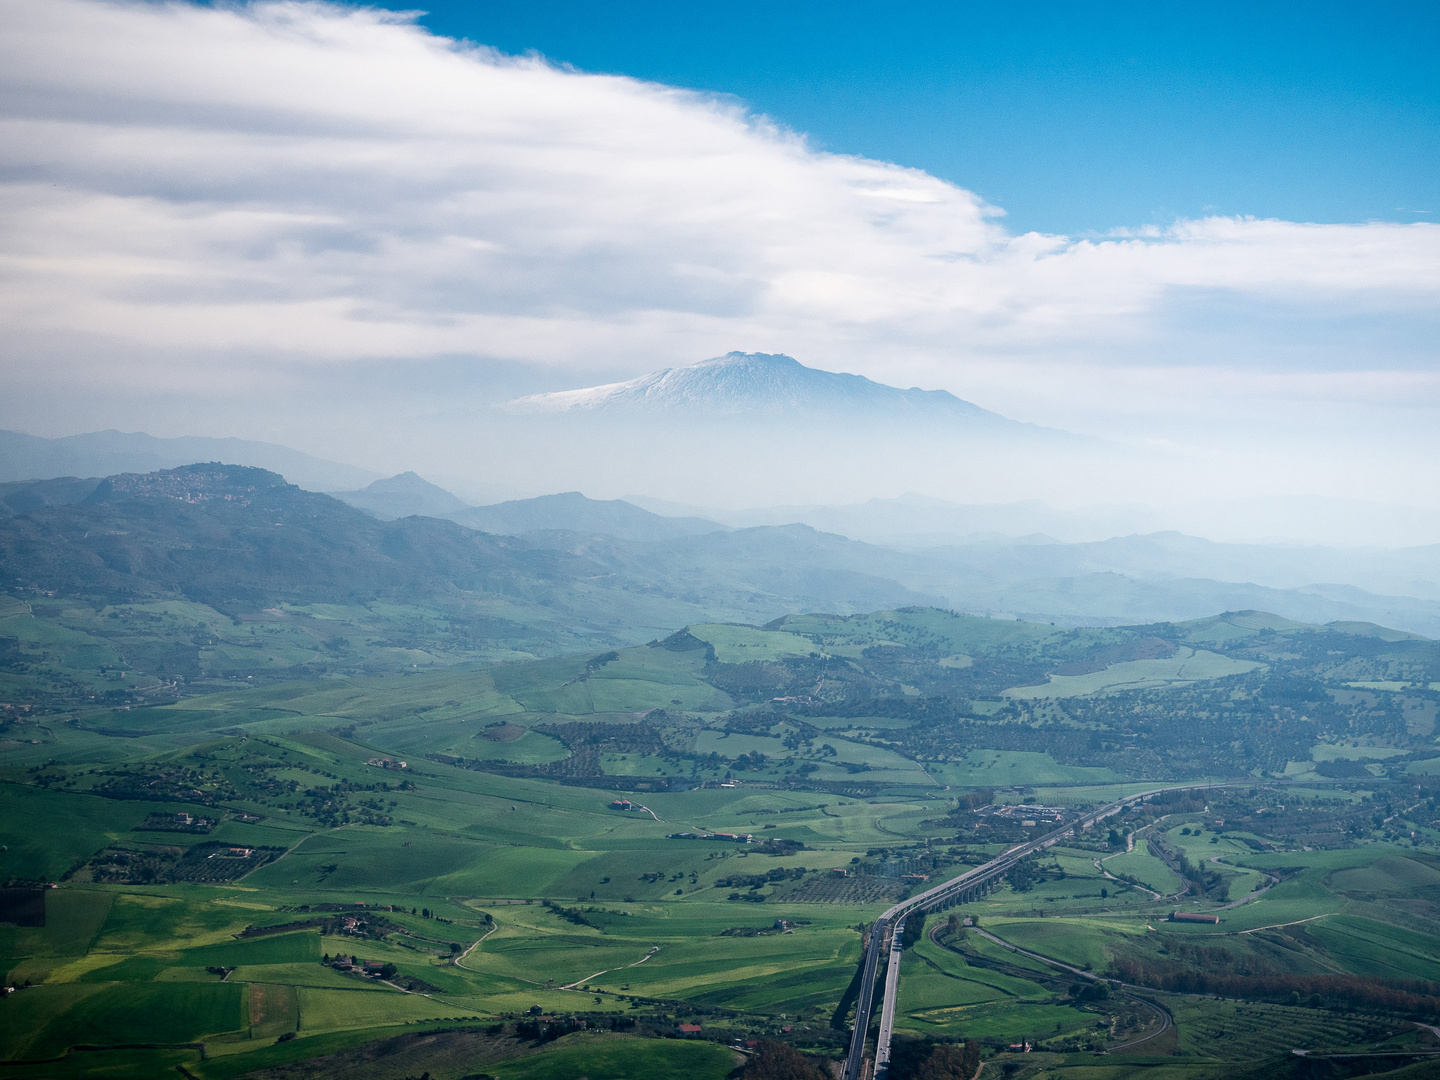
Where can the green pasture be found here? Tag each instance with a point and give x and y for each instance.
(57, 648)
(733, 744)
(613, 1057)
(1369, 947)
(114, 1012)
(649, 678)
(73, 917)
(1386, 873)
(532, 748)
(1052, 897)
(742, 644)
(105, 1065)
(368, 861)
(970, 634)
(275, 949)
(1005, 768)
(274, 1010)
(676, 955)
(936, 981)
(178, 918)
(1336, 752)
(877, 757)
(1005, 1020)
(1145, 868)
(46, 833)
(1185, 667)
(332, 1010)
(1082, 943)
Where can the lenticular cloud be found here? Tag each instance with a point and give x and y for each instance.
(330, 183)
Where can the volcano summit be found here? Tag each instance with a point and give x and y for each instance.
(758, 384)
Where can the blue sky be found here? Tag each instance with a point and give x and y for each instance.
(1073, 117)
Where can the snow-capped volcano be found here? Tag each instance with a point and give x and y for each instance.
(755, 384)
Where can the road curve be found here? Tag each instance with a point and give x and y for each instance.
(890, 924)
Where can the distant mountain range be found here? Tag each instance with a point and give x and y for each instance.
(688, 567)
(106, 453)
(1117, 581)
(195, 525)
(241, 540)
(751, 385)
(408, 494)
(573, 512)
(919, 521)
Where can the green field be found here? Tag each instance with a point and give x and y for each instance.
(1145, 868)
(984, 768)
(622, 1059)
(1186, 667)
(490, 880)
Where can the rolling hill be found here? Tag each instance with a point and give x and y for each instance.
(573, 512)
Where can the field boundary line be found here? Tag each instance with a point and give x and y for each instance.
(432, 997)
(1278, 925)
(276, 861)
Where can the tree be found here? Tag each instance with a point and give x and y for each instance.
(776, 1061)
(914, 927)
(951, 1062)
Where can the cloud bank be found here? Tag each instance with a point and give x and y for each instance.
(206, 199)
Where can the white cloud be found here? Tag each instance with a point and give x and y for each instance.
(327, 184)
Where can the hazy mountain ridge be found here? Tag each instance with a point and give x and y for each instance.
(1041, 582)
(572, 512)
(107, 453)
(197, 531)
(403, 495)
(237, 538)
(241, 539)
(913, 520)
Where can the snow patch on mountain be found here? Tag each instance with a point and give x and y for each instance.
(754, 384)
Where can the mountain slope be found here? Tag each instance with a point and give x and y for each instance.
(757, 384)
(405, 495)
(224, 572)
(573, 512)
(238, 538)
(105, 453)
(128, 589)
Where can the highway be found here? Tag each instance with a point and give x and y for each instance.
(865, 1001)
(887, 1005)
(886, 932)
